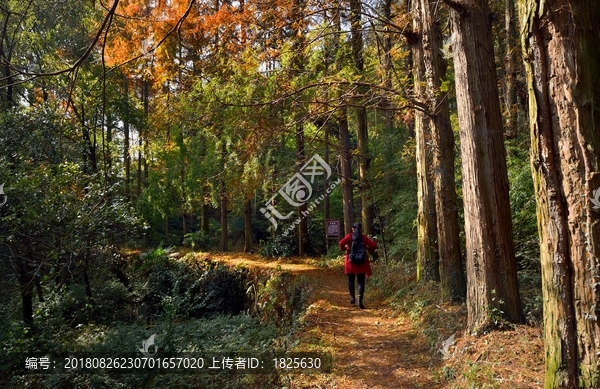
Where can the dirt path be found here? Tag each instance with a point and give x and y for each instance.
(371, 348)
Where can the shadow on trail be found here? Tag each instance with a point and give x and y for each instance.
(372, 348)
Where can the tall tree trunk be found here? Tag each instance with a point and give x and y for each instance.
(492, 287)
(302, 209)
(223, 194)
(346, 168)
(362, 134)
(205, 193)
(560, 42)
(298, 69)
(453, 283)
(27, 301)
(6, 101)
(345, 153)
(146, 140)
(427, 255)
(142, 166)
(248, 238)
(109, 139)
(25, 276)
(182, 163)
(204, 222)
(138, 190)
(126, 141)
(90, 165)
(387, 65)
(326, 203)
(511, 47)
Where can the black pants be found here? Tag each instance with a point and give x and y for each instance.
(361, 284)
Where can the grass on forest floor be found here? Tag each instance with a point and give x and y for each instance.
(509, 358)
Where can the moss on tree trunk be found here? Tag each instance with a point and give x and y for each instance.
(561, 46)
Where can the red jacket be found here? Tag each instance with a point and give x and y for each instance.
(357, 268)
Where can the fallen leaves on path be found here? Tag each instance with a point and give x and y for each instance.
(381, 347)
(371, 348)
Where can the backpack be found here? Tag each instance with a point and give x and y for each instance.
(358, 251)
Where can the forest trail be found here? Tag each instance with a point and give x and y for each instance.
(371, 348)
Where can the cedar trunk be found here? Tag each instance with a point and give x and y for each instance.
(345, 154)
(492, 288)
(510, 76)
(303, 208)
(362, 132)
(346, 167)
(560, 43)
(427, 255)
(453, 283)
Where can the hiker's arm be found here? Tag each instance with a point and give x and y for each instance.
(370, 244)
(345, 242)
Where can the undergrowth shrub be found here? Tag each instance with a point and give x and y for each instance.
(188, 287)
(281, 299)
(280, 246)
(201, 240)
(191, 304)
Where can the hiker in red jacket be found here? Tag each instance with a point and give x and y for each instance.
(360, 270)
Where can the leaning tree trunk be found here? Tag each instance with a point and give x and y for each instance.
(492, 287)
(427, 255)
(561, 46)
(452, 279)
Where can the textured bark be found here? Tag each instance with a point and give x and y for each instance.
(387, 65)
(427, 255)
(492, 288)
(561, 46)
(298, 68)
(452, 278)
(346, 168)
(344, 151)
(302, 209)
(362, 134)
(510, 76)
